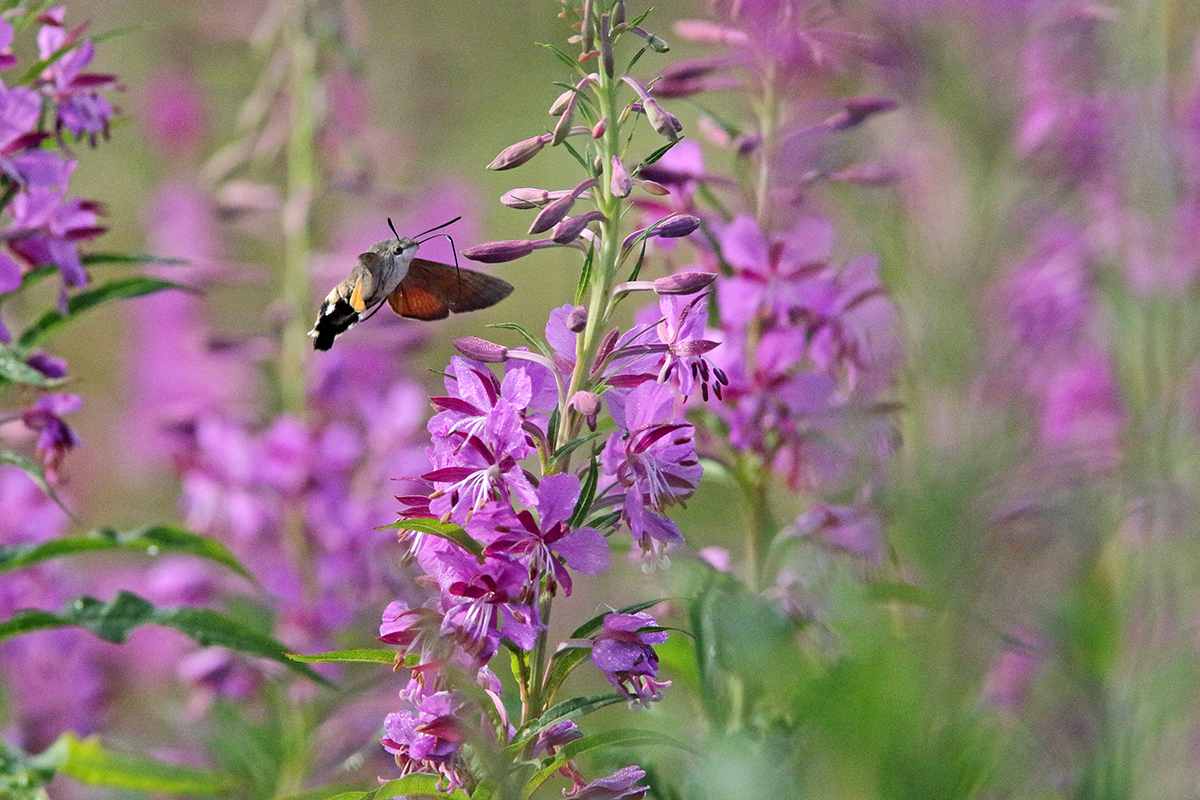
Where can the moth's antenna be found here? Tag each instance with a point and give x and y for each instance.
(434, 228)
(393, 227)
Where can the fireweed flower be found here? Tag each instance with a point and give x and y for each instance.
(624, 652)
(428, 736)
(55, 436)
(650, 463)
(539, 542)
(79, 108)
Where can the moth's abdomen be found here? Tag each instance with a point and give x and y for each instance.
(335, 319)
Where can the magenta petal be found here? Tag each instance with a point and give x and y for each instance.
(586, 550)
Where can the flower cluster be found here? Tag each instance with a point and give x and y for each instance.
(510, 515)
(43, 225)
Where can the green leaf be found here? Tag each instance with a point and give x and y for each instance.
(127, 258)
(115, 620)
(657, 154)
(587, 494)
(593, 625)
(90, 762)
(621, 737)
(536, 344)
(13, 369)
(37, 475)
(569, 447)
(153, 540)
(120, 289)
(566, 59)
(576, 706)
(362, 655)
(585, 274)
(445, 530)
(578, 157)
(418, 785)
(35, 276)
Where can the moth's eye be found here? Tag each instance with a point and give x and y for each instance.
(397, 250)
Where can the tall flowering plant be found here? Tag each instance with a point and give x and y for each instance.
(543, 453)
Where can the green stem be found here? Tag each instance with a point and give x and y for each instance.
(297, 210)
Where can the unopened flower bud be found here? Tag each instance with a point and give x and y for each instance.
(480, 349)
(607, 62)
(857, 109)
(563, 129)
(577, 319)
(569, 229)
(663, 122)
(529, 198)
(621, 184)
(698, 30)
(561, 102)
(600, 128)
(499, 252)
(684, 283)
(517, 154)
(677, 226)
(587, 404)
(653, 187)
(619, 13)
(588, 28)
(653, 42)
(552, 214)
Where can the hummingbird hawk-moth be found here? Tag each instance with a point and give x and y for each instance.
(414, 287)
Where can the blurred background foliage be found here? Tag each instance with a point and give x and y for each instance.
(1032, 632)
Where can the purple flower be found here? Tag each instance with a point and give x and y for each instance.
(618, 786)
(47, 229)
(768, 272)
(484, 602)
(80, 108)
(682, 331)
(652, 461)
(540, 542)
(624, 652)
(428, 735)
(853, 529)
(55, 437)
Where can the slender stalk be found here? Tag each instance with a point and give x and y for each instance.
(301, 171)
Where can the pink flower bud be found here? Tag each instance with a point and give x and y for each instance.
(600, 128)
(552, 214)
(621, 184)
(577, 319)
(857, 109)
(561, 102)
(480, 349)
(587, 404)
(663, 122)
(517, 154)
(676, 226)
(652, 187)
(569, 229)
(529, 198)
(499, 252)
(563, 129)
(684, 283)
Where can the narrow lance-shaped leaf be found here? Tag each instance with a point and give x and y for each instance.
(121, 289)
(445, 530)
(115, 620)
(90, 762)
(153, 540)
(13, 369)
(364, 655)
(38, 475)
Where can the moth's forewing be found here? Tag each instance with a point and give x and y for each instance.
(433, 288)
